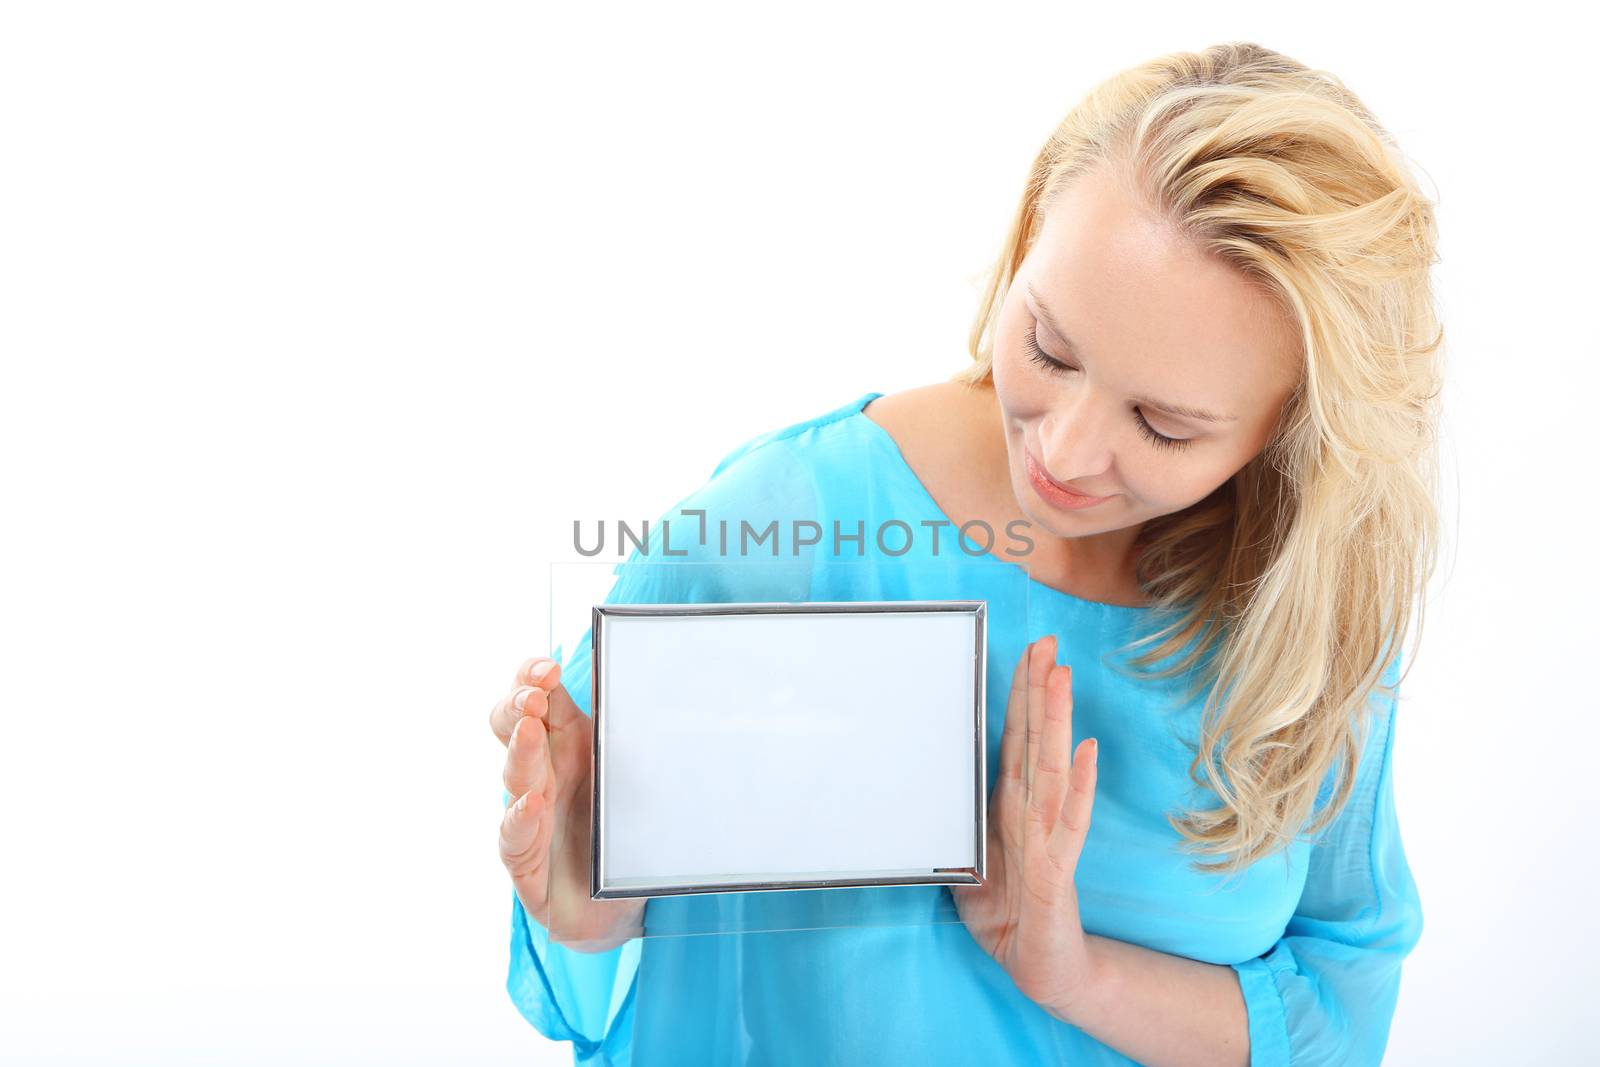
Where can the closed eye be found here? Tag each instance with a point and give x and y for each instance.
(1055, 366)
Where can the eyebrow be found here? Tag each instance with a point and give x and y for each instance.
(1183, 410)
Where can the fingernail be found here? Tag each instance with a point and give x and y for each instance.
(1094, 749)
(520, 701)
(541, 670)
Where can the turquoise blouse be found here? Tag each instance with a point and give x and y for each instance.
(1316, 934)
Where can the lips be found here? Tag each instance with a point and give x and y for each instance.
(1069, 487)
(1059, 492)
(1066, 486)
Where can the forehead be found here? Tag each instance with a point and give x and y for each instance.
(1150, 311)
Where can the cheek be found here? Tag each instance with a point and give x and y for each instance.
(1165, 484)
(1002, 365)
(1020, 389)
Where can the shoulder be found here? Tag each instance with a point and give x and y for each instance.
(825, 461)
(785, 443)
(737, 535)
(932, 427)
(926, 422)
(785, 472)
(919, 420)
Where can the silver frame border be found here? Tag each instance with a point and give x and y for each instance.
(978, 609)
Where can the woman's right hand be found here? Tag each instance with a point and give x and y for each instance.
(549, 770)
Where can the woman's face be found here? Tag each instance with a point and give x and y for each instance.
(1138, 333)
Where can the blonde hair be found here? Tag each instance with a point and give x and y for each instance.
(1293, 584)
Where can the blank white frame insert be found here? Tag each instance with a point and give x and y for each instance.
(755, 746)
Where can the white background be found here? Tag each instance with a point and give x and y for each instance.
(322, 322)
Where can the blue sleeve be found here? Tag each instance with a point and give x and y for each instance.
(1325, 993)
(567, 995)
(587, 998)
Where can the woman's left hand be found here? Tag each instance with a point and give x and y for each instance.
(1025, 914)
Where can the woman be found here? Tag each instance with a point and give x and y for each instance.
(1203, 407)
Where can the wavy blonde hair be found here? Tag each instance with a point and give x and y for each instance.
(1292, 585)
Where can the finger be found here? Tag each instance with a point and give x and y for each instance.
(526, 700)
(525, 851)
(1072, 828)
(541, 671)
(544, 673)
(527, 758)
(1039, 664)
(1050, 778)
(549, 700)
(1016, 723)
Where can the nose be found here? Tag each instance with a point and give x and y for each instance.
(1075, 441)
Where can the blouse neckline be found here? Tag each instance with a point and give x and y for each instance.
(898, 460)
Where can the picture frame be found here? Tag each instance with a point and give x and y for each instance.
(693, 751)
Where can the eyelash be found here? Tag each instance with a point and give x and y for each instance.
(1160, 440)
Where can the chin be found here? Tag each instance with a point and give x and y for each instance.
(1063, 524)
(1045, 519)
(1041, 517)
